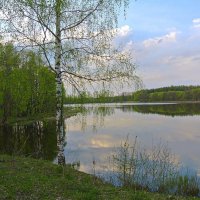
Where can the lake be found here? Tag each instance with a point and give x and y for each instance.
(92, 136)
(96, 133)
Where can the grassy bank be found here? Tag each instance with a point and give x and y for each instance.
(25, 178)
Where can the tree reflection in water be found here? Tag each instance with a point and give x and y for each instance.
(36, 139)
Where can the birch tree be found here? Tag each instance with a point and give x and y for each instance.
(75, 38)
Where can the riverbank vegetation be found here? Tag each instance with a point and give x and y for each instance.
(27, 87)
(172, 93)
(26, 178)
(155, 170)
(165, 94)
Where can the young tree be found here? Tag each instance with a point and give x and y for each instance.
(74, 36)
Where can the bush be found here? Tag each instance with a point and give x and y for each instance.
(155, 170)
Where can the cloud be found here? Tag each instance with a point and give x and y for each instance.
(124, 31)
(197, 20)
(196, 23)
(175, 62)
(170, 37)
(123, 40)
(196, 26)
(128, 46)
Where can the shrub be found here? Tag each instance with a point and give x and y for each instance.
(155, 170)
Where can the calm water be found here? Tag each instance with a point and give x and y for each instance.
(100, 129)
(96, 133)
(36, 139)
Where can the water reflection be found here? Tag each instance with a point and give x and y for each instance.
(165, 109)
(94, 134)
(151, 123)
(36, 139)
(168, 109)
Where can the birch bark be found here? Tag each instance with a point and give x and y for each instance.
(59, 103)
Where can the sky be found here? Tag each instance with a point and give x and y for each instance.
(164, 38)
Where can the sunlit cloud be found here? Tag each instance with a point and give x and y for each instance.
(170, 37)
(124, 31)
(171, 59)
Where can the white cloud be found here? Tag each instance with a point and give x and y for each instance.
(197, 20)
(128, 46)
(196, 23)
(170, 37)
(124, 31)
(196, 26)
(172, 63)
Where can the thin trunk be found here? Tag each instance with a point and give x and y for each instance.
(59, 106)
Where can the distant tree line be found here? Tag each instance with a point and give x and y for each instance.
(27, 87)
(172, 93)
(86, 97)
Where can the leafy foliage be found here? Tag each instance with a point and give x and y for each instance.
(27, 87)
(172, 93)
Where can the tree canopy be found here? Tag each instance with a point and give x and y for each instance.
(27, 87)
(75, 38)
(77, 32)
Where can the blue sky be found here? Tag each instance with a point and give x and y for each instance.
(164, 37)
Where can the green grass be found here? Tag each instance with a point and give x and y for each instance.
(26, 178)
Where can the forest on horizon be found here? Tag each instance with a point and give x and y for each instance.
(171, 93)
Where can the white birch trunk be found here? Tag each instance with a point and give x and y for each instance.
(59, 103)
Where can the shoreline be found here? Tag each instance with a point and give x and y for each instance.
(40, 179)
